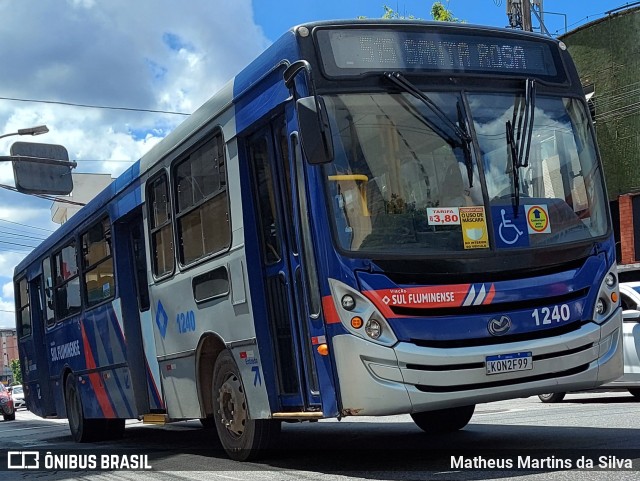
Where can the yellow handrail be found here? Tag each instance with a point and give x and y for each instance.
(362, 187)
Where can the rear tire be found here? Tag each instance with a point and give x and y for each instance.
(241, 437)
(444, 420)
(9, 417)
(552, 397)
(635, 392)
(82, 429)
(113, 428)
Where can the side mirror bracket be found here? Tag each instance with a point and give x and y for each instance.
(313, 121)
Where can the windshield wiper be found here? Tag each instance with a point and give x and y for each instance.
(464, 138)
(515, 170)
(520, 147)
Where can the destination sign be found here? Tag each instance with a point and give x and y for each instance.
(349, 52)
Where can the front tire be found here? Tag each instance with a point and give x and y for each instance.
(10, 417)
(444, 420)
(635, 392)
(241, 437)
(552, 397)
(208, 423)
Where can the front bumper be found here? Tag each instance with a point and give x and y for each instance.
(377, 380)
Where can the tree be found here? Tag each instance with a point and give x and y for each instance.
(440, 13)
(389, 13)
(17, 373)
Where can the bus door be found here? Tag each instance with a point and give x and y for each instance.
(133, 291)
(273, 178)
(34, 352)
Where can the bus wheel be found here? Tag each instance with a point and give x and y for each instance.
(241, 437)
(444, 420)
(552, 397)
(208, 423)
(635, 392)
(82, 429)
(113, 428)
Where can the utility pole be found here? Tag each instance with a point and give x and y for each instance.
(519, 13)
(526, 16)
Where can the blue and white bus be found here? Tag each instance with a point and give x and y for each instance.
(372, 218)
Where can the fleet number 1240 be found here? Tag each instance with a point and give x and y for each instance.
(548, 315)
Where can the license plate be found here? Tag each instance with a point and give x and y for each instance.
(515, 361)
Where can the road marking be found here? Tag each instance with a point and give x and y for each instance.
(500, 411)
(24, 429)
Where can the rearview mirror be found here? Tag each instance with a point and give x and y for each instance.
(315, 132)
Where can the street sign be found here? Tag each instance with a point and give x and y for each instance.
(41, 168)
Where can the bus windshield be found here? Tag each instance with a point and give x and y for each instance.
(403, 182)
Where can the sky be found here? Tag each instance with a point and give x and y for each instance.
(140, 58)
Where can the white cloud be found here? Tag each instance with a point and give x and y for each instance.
(146, 54)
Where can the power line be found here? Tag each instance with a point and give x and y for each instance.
(89, 106)
(5, 233)
(103, 160)
(16, 231)
(21, 251)
(25, 225)
(17, 244)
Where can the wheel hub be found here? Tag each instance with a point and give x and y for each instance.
(232, 406)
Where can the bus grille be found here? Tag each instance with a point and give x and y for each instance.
(506, 382)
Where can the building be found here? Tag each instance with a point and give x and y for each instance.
(85, 188)
(607, 55)
(8, 352)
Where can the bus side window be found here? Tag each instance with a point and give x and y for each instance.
(160, 226)
(48, 292)
(67, 289)
(24, 311)
(202, 204)
(97, 263)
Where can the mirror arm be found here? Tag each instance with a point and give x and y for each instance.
(289, 76)
(38, 160)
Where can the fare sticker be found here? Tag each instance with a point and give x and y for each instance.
(443, 216)
(537, 219)
(474, 227)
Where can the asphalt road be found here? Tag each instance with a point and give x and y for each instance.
(521, 439)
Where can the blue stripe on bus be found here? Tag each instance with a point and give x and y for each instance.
(252, 103)
(123, 396)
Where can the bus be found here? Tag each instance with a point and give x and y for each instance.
(372, 218)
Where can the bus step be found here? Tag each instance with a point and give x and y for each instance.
(298, 415)
(154, 419)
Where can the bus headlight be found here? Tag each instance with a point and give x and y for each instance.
(348, 302)
(360, 316)
(601, 306)
(608, 296)
(610, 280)
(373, 329)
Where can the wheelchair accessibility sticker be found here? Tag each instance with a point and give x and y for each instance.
(510, 230)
